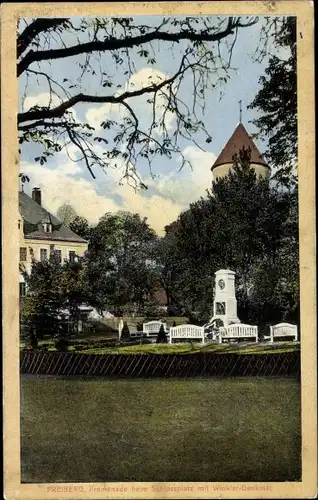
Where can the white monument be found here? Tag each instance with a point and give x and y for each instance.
(225, 304)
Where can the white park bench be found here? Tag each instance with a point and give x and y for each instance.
(153, 327)
(186, 333)
(282, 330)
(238, 331)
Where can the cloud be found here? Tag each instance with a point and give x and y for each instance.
(143, 109)
(189, 184)
(158, 210)
(144, 78)
(45, 99)
(167, 196)
(95, 116)
(59, 187)
(42, 99)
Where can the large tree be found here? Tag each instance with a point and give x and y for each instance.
(80, 226)
(166, 257)
(275, 293)
(104, 48)
(240, 225)
(276, 101)
(66, 214)
(54, 291)
(121, 269)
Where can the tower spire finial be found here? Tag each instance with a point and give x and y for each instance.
(240, 103)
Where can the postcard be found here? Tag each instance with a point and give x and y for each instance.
(159, 271)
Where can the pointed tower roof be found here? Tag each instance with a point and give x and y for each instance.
(240, 138)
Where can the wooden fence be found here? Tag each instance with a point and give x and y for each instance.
(156, 365)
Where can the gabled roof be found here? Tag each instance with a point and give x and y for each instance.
(240, 139)
(35, 215)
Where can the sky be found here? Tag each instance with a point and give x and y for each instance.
(170, 190)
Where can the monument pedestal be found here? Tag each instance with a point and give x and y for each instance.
(225, 304)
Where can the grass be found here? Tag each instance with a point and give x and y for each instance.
(86, 430)
(241, 348)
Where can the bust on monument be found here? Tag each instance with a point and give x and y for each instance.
(225, 304)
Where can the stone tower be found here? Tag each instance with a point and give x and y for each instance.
(240, 138)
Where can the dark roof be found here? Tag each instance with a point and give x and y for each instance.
(35, 215)
(240, 139)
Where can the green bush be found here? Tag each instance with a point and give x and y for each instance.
(62, 345)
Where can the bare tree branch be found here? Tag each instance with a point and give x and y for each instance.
(113, 43)
(59, 111)
(108, 48)
(34, 29)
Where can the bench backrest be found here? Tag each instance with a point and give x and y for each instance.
(239, 330)
(153, 327)
(284, 329)
(187, 332)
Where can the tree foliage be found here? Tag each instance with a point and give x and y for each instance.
(245, 224)
(80, 226)
(275, 293)
(101, 47)
(66, 214)
(122, 272)
(168, 267)
(276, 101)
(54, 293)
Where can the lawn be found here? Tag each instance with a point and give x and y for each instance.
(88, 430)
(187, 348)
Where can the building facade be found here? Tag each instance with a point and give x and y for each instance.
(41, 233)
(240, 139)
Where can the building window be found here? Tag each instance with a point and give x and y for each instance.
(43, 254)
(47, 227)
(72, 255)
(58, 255)
(22, 289)
(23, 254)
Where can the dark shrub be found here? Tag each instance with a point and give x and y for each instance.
(33, 341)
(61, 344)
(162, 337)
(125, 333)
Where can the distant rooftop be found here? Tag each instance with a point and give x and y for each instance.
(35, 216)
(240, 139)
